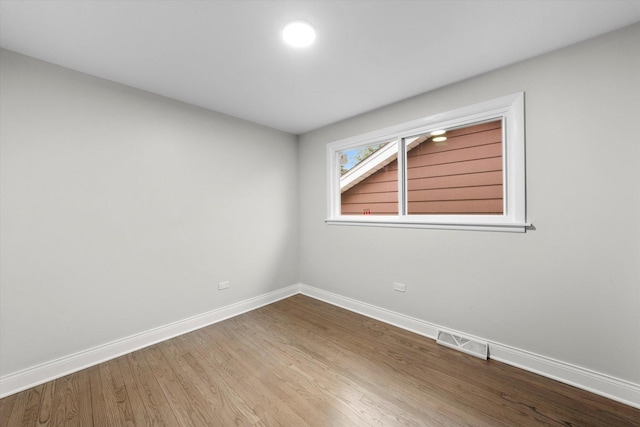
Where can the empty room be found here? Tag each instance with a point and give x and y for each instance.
(320, 213)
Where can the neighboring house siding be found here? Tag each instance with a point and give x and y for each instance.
(462, 177)
(377, 194)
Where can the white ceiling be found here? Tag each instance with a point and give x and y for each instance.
(228, 56)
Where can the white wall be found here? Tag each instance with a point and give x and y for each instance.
(121, 211)
(568, 290)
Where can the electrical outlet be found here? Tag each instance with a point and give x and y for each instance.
(400, 287)
(223, 285)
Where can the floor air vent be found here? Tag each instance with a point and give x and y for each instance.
(474, 348)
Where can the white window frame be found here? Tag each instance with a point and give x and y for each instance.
(509, 108)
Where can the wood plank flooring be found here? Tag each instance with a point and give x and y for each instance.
(301, 362)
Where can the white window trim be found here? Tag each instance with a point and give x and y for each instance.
(510, 108)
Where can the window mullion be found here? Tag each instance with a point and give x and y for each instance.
(402, 177)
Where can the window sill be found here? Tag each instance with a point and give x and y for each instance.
(471, 226)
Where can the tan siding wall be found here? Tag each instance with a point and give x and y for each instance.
(463, 177)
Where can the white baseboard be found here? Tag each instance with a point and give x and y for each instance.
(604, 385)
(594, 382)
(31, 377)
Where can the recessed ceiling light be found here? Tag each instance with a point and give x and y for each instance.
(438, 132)
(439, 138)
(298, 34)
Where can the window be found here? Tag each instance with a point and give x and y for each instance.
(463, 169)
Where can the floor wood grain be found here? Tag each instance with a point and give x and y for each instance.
(302, 362)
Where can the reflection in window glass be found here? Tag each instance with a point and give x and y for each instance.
(369, 179)
(456, 171)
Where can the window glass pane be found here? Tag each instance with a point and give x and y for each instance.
(369, 179)
(456, 171)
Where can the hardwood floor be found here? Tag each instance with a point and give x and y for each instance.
(301, 362)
